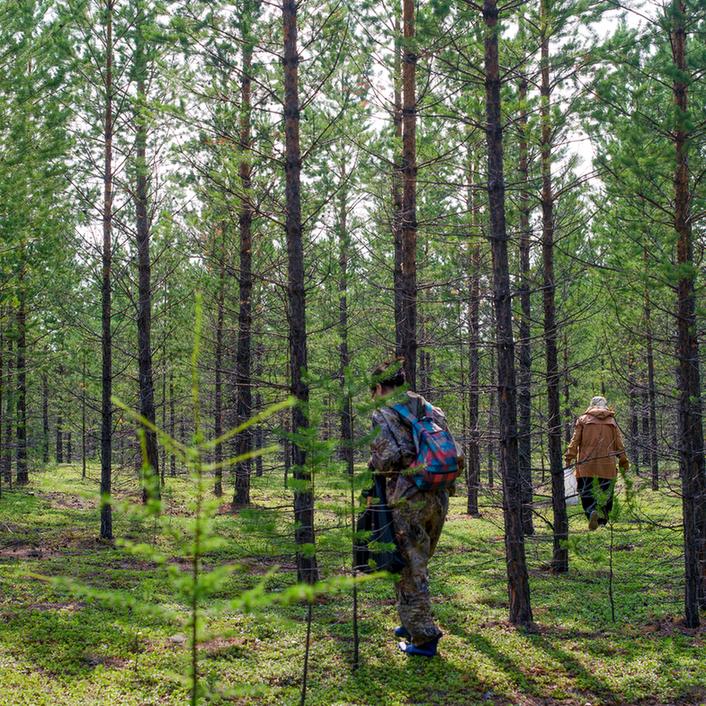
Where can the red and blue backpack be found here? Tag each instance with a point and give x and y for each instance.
(437, 464)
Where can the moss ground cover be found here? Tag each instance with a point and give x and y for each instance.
(61, 647)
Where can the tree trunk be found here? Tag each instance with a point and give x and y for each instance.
(60, 423)
(524, 404)
(344, 243)
(258, 430)
(651, 393)
(421, 362)
(408, 277)
(346, 448)
(144, 283)
(287, 449)
(83, 418)
(567, 386)
(21, 376)
(518, 582)
(307, 568)
(491, 420)
(106, 531)
(645, 415)
(473, 459)
(397, 190)
(423, 358)
(243, 355)
(163, 449)
(218, 363)
(172, 422)
(9, 417)
(691, 439)
(634, 422)
(3, 388)
(560, 557)
(45, 418)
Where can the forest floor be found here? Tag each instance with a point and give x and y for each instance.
(60, 647)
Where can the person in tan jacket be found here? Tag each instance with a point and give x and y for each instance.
(595, 446)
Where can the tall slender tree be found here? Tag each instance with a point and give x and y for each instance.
(143, 236)
(408, 216)
(524, 395)
(307, 567)
(396, 220)
(21, 374)
(690, 420)
(45, 417)
(220, 249)
(651, 388)
(243, 359)
(473, 454)
(560, 557)
(106, 524)
(518, 581)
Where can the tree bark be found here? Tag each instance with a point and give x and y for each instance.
(518, 582)
(245, 217)
(491, 421)
(397, 189)
(21, 376)
(259, 430)
(106, 528)
(691, 439)
(45, 418)
(560, 557)
(408, 276)
(9, 417)
(566, 377)
(307, 568)
(163, 421)
(144, 281)
(524, 404)
(651, 392)
(473, 460)
(346, 410)
(172, 422)
(60, 423)
(218, 362)
(3, 388)
(344, 360)
(652, 402)
(634, 422)
(83, 418)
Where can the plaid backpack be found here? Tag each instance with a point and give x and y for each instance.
(437, 456)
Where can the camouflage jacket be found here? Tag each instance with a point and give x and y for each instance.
(392, 450)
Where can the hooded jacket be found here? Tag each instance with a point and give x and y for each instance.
(596, 444)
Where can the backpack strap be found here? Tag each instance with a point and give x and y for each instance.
(404, 412)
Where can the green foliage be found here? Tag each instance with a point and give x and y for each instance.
(102, 650)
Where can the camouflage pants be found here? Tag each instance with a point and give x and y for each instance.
(418, 523)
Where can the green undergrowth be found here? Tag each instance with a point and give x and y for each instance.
(59, 646)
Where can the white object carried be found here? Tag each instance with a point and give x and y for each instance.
(571, 491)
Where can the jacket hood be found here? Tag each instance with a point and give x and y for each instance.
(600, 413)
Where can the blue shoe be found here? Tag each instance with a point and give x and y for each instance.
(428, 649)
(401, 631)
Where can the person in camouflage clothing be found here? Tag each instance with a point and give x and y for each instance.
(418, 516)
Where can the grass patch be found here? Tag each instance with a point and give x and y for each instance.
(56, 648)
